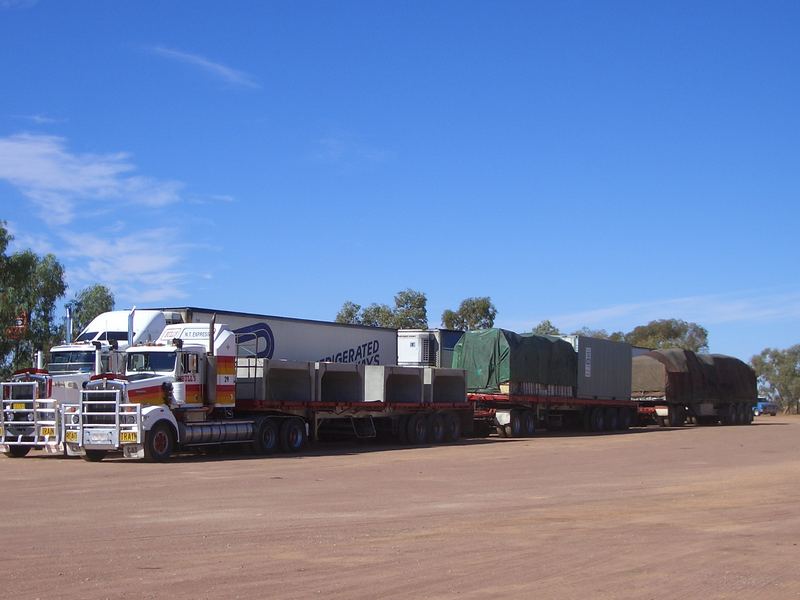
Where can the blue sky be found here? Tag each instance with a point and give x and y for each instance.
(593, 163)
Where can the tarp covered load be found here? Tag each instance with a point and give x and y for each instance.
(681, 376)
(501, 361)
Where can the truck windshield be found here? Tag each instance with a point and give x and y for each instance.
(139, 362)
(80, 361)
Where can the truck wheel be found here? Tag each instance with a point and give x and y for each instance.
(402, 429)
(598, 419)
(158, 443)
(676, 416)
(417, 429)
(94, 455)
(624, 419)
(528, 423)
(611, 419)
(514, 427)
(267, 437)
(293, 435)
(587, 418)
(501, 430)
(727, 415)
(773, 414)
(452, 427)
(17, 451)
(435, 429)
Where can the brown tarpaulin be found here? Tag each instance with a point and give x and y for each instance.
(685, 377)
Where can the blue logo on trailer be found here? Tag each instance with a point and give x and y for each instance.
(258, 335)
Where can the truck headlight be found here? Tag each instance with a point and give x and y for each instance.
(76, 419)
(30, 416)
(9, 415)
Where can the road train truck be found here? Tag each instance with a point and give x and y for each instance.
(198, 385)
(706, 388)
(32, 400)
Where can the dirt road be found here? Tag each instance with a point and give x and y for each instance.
(651, 513)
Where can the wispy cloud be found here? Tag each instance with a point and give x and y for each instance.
(347, 150)
(57, 180)
(711, 309)
(210, 67)
(12, 4)
(212, 199)
(145, 265)
(40, 119)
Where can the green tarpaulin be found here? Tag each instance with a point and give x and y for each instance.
(493, 357)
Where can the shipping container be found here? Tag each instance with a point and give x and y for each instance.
(604, 368)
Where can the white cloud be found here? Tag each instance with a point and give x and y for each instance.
(144, 266)
(347, 150)
(56, 180)
(40, 119)
(13, 4)
(711, 309)
(215, 69)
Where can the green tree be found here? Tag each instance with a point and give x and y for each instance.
(472, 313)
(378, 315)
(778, 374)
(349, 313)
(615, 336)
(409, 312)
(29, 285)
(546, 328)
(88, 303)
(670, 333)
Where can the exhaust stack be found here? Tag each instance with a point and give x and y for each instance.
(130, 326)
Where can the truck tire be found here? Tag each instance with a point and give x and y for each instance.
(611, 419)
(676, 416)
(598, 419)
(159, 442)
(587, 418)
(17, 451)
(435, 429)
(514, 427)
(452, 427)
(625, 419)
(727, 415)
(94, 455)
(417, 429)
(267, 439)
(528, 423)
(293, 434)
(402, 429)
(501, 430)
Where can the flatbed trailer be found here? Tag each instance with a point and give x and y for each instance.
(520, 415)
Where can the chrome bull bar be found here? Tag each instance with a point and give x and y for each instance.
(101, 421)
(25, 419)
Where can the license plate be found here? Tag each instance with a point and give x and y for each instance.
(71, 436)
(49, 431)
(127, 437)
(18, 406)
